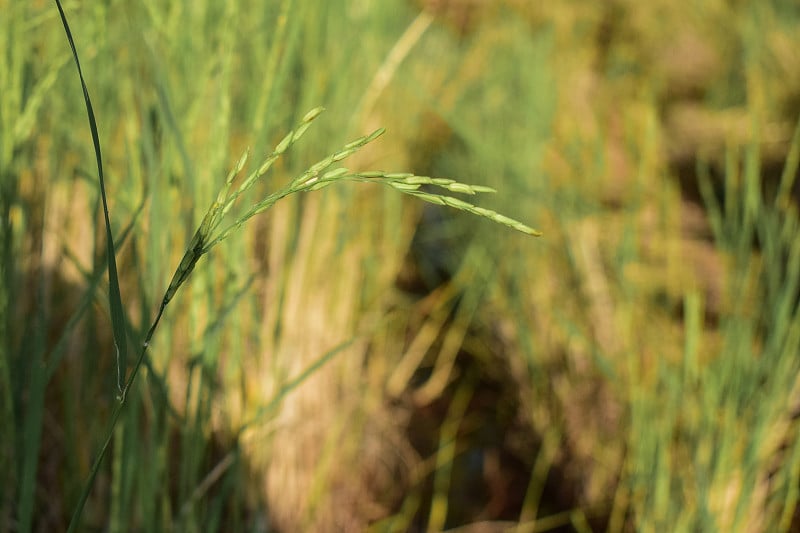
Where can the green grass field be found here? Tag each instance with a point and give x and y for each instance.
(361, 350)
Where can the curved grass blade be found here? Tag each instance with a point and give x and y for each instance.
(114, 296)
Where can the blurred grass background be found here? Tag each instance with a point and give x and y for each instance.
(634, 369)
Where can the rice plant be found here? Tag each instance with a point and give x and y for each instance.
(355, 358)
(208, 234)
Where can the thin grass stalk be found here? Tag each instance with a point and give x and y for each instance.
(7, 455)
(33, 419)
(388, 68)
(275, 70)
(117, 515)
(13, 47)
(789, 173)
(541, 466)
(791, 472)
(446, 454)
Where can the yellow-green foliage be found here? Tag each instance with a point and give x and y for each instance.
(645, 345)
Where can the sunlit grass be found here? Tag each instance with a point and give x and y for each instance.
(650, 349)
